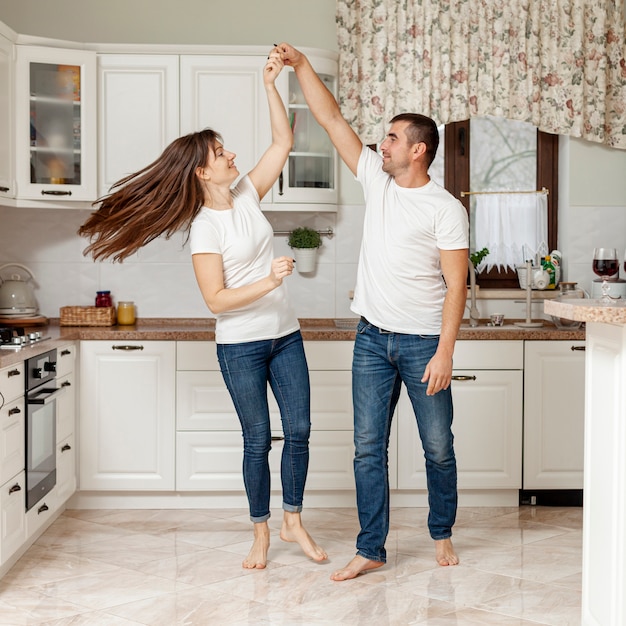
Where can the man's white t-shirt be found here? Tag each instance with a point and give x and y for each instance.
(244, 238)
(399, 284)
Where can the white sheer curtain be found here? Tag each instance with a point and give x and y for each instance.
(513, 227)
(558, 64)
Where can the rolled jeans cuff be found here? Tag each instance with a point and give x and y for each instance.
(292, 508)
(259, 520)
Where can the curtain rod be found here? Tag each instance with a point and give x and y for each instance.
(477, 193)
(324, 233)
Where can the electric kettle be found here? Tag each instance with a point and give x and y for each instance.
(17, 296)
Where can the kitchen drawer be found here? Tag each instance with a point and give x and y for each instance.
(207, 461)
(12, 381)
(12, 420)
(66, 359)
(196, 355)
(489, 355)
(203, 402)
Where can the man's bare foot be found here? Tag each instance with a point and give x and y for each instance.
(257, 557)
(293, 531)
(356, 566)
(445, 553)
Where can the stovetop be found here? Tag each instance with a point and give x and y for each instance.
(16, 338)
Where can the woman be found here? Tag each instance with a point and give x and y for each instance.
(257, 333)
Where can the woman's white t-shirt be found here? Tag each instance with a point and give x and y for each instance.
(244, 238)
(399, 284)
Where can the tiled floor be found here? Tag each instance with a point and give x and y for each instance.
(183, 567)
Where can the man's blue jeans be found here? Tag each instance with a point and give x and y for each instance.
(382, 361)
(247, 368)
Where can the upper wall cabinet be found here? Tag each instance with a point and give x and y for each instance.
(55, 123)
(226, 93)
(7, 176)
(138, 112)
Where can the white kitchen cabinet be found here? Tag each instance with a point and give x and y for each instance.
(7, 169)
(310, 175)
(226, 93)
(554, 410)
(55, 124)
(209, 440)
(12, 481)
(127, 415)
(12, 516)
(487, 395)
(12, 421)
(66, 424)
(138, 112)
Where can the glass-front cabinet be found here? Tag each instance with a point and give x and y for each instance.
(55, 124)
(310, 175)
(7, 178)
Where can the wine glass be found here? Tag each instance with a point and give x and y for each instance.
(605, 265)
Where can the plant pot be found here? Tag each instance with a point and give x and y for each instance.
(306, 259)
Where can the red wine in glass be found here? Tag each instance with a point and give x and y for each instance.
(606, 267)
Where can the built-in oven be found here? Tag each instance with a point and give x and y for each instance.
(40, 398)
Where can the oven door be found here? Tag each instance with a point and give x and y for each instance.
(40, 443)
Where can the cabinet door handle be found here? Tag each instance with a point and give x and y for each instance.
(280, 184)
(464, 378)
(65, 352)
(66, 447)
(42, 509)
(16, 487)
(127, 348)
(13, 373)
(14, 410)
(55, 192)
(574, 348)
(67, 383)
(4, 189)
(278, 438)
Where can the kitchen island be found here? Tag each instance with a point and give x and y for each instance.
(604, 517)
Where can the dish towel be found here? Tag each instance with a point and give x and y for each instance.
(513, 226)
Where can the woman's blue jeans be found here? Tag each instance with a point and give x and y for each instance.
(382, 361)
(247, 369)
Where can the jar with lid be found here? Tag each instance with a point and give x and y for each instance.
(126, 313)
(103, 298)
(567, 291)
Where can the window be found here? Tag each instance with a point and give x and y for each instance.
(533, 170)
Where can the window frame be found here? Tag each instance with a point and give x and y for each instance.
(457, 180)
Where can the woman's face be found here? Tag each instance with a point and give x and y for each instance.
(221, 168)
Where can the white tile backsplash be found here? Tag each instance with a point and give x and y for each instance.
(161, 282)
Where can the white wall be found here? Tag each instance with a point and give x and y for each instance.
(160, 279)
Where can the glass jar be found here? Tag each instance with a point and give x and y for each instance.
(567, 291)
(126, 313)
(103, 298)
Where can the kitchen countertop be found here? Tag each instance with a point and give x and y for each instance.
(584, 310)
(316, 329)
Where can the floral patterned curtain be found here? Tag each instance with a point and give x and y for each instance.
(558, 64)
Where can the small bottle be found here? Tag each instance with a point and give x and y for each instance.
(103, 298)
(126, 313)
(549, 267)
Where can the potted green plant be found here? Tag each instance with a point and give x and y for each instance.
(305, 241)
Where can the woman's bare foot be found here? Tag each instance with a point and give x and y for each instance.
(356, 566)
(445, 553)
(257, 557)
(293, 531)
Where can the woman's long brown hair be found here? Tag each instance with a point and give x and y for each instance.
(162, 198)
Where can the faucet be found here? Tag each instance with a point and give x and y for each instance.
(474, 315)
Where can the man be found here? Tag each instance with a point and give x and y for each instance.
(410, 294)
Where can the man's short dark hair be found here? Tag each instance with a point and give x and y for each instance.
(421, 129)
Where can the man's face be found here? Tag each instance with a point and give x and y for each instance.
(395, 149)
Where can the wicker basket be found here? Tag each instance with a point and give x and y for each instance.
(87, 316)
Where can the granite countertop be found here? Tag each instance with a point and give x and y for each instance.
(316, 329)
(584, 310)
